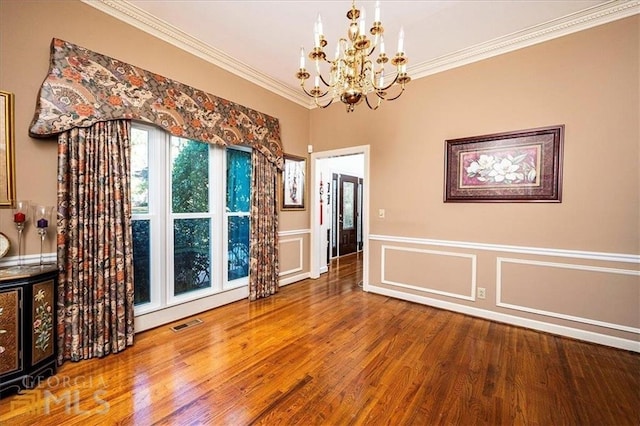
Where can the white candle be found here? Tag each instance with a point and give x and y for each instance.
(363, 30)
(302, 61)
(382, 45)
(377, 13)
(316, 35)
(320, 25)
(401, 41)
(317, 81)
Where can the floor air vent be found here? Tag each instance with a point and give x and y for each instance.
(186, 325)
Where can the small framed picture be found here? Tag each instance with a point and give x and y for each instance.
(293, 183)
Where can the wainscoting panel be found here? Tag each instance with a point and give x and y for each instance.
(291, 250)
(430, 271)
(591, 296)
(576, 292)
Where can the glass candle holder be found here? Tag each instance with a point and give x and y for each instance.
(41, 217)
(20, 216)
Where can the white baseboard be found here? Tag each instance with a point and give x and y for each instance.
(293, 279)
(574, 333)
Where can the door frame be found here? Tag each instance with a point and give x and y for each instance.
(357, 212)
(314, 203)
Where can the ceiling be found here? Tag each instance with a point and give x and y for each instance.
(260, 40)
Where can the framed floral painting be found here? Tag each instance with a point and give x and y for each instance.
(293, 182)
(520, 166)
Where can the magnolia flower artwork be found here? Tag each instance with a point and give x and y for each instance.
(510, 167)
(519, 166)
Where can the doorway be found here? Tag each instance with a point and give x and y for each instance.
(326, 196)
(346, 213)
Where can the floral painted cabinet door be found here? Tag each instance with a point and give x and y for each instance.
(27, 326)
(9, 330)
(42, 341)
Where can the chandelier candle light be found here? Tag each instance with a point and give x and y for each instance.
(353, 76)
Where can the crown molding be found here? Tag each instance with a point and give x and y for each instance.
(133, 15)
(579, 21)
(588, 18)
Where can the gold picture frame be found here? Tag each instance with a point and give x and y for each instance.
(7, 146)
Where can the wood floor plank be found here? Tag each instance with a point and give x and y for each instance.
(323, 352)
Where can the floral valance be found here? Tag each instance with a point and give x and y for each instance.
(84, 87)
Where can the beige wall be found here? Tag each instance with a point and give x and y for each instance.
(588, 81)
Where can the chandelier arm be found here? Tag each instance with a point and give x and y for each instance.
(387, 86)
(366, 98)
(373, 47)
(323, 106)
(395, 97)
(311, 95)
(398, 95)
(324, 81)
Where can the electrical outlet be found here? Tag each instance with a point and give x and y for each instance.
(482, 292)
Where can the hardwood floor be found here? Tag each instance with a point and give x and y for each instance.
(324, 352)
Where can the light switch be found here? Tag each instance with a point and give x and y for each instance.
(381, 213)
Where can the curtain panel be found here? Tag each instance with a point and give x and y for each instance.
(263, 245)
(95, 256)
(83, 87)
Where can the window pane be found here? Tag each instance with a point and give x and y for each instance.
(190, 176)
(139, 171)
(238, 247)
(192, 264)
(347, 205)
(141, 261)
(238, 180)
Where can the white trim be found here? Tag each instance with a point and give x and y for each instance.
(169, 314)
(587, 336)
(588, 18)
(142, 20)
(501, 260)
(29, 260)
(315, 249)
(300, 261)
(294, 232)
(293, 279)
(579, 21)
(426, 289)
(577, 254)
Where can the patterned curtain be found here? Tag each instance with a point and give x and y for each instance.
(95, 293)
(85, 87)
(263, 247)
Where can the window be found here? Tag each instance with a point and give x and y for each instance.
(238, 209)
(191, 208)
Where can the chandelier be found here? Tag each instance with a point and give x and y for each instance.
(355, 73)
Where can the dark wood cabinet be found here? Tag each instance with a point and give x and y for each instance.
(28, 298)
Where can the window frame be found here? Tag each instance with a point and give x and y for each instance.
(161, 224)
(238, 282)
